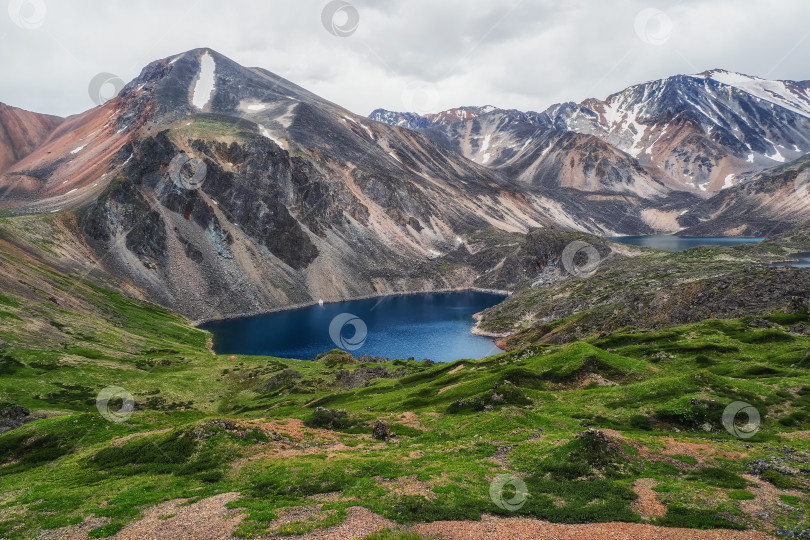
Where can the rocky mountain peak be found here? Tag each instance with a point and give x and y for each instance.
(697, 133)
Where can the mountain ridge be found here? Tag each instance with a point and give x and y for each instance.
(301, 200)
(695, 129)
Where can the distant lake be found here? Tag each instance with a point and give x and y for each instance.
(797, 260)
(679, 243)
(431, 325)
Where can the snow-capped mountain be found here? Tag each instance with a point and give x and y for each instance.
(416, 121)
(701, 130)
(524, 148)
(695, 133)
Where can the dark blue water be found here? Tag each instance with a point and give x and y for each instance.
(433, 325)
(679, 243)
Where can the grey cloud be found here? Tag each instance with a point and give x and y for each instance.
(520, 54)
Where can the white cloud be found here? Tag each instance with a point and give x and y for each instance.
(520, 54)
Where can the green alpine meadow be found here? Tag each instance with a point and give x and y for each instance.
(337, 301)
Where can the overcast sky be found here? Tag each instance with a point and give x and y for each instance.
(424, 55)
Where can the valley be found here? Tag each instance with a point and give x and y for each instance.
(612, 404)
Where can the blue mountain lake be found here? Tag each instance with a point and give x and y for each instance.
(430, 325)
(669, 242)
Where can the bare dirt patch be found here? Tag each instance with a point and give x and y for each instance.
(490, 528)
(767, 501)
(407, 485)
(796, 435)
(291, 438)
(699, 451)
(410, 419)
(448, 387)
(207, 518)
(75, 532)
(126, 438)
(647, 503)
(359, 523)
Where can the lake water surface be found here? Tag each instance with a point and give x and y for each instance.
(679, 243)
(431, 325)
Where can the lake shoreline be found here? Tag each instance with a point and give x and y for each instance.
(675, 243)
(293, 307)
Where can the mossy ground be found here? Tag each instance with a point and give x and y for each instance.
(206, 424)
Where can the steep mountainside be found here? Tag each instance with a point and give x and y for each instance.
(294, 198)
(766, 203)
(587, 177)
(21, 132)
(205, 183)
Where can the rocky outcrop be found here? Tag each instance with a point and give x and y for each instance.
(381, 431)
(14, 417)
(763, 204)
(647, 291)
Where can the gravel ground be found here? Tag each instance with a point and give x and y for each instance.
(491, 528)
(207, 519)
(210, 520)
(647, 503)
(360, 522)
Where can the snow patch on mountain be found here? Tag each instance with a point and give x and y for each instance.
(484, 147)
(204, 87)
(776, 156)
(777, 92)
(266, 134)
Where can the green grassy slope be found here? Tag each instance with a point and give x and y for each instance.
(210, 424)
(271, 429)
